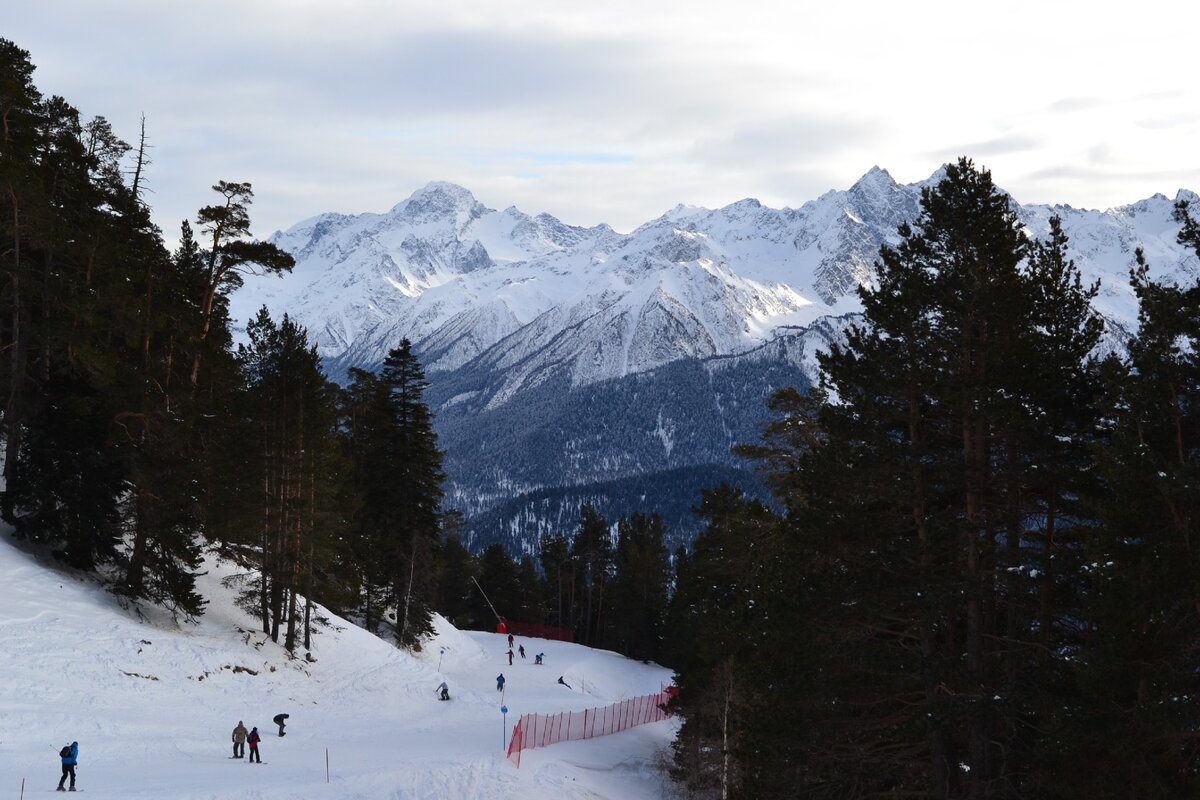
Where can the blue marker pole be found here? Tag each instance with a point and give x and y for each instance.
(503, 726)
(441, 653)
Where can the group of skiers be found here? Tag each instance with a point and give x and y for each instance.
(69, 754)
(537, 660)
(242, 737)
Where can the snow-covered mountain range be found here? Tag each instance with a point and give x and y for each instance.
(561, 357)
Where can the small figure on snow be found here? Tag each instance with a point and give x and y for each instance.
(278, 719)
(70, 757)
(521, 650)
(254, 739)
(510, 655)
(500, 682)
(538, 658)
(510, 640)
(443, 691)
(564, 683)
(239, 740)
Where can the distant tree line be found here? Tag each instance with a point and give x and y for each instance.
(985, 583)
(608, 588)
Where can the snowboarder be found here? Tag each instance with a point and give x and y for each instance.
(564, 683)
(510, 655)
(70, 757)
(510, 640)
(521, 650)
(500, 682)
(443, 691)
(278, 720)
(254, 739)
(239, 740)
(538, 658)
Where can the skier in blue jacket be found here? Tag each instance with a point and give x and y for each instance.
(68, 767)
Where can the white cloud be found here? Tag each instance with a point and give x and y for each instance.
(350, 106)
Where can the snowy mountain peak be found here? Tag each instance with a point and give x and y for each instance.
(439, 200)
(875, 180)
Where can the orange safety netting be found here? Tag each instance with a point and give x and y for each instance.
(539, 730)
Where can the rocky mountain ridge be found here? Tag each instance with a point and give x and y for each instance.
(564, 356)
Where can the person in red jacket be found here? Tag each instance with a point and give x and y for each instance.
(253, 739)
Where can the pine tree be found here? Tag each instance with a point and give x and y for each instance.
(592, 553)
(398, 471)
(642, 574)
(933, 513)
(455, 585)
(1125, 730)
(296, 506)
(230, 254)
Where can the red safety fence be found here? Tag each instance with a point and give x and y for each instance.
(540, 730)
(536, 630)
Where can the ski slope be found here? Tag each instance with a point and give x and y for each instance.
(153, 704)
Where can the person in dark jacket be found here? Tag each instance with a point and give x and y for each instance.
(279, 719)
(239, 740)
(254, 739)
(564, 683)
(68, 767)
(500, 682)
(521, 650)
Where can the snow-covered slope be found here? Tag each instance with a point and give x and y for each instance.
(152, 705)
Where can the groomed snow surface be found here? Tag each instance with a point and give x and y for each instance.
(153, 705)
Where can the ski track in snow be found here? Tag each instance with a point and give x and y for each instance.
(152, 705)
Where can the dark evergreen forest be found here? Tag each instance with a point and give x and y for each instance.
(977, 577)
(984, 584)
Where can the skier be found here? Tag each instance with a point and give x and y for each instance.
(521, 650)
(254, 739)
(510, 655)
(443, 691)
(510, 641)
(564, 683)
(239, 740)
(278, 720)
(70, 757)
(538, 658)
(500, 682)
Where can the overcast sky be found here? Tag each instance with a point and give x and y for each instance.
(615, 111)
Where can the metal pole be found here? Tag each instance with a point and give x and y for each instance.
(327, 765)
(441, 653)
(485, 597)
(503, 726)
